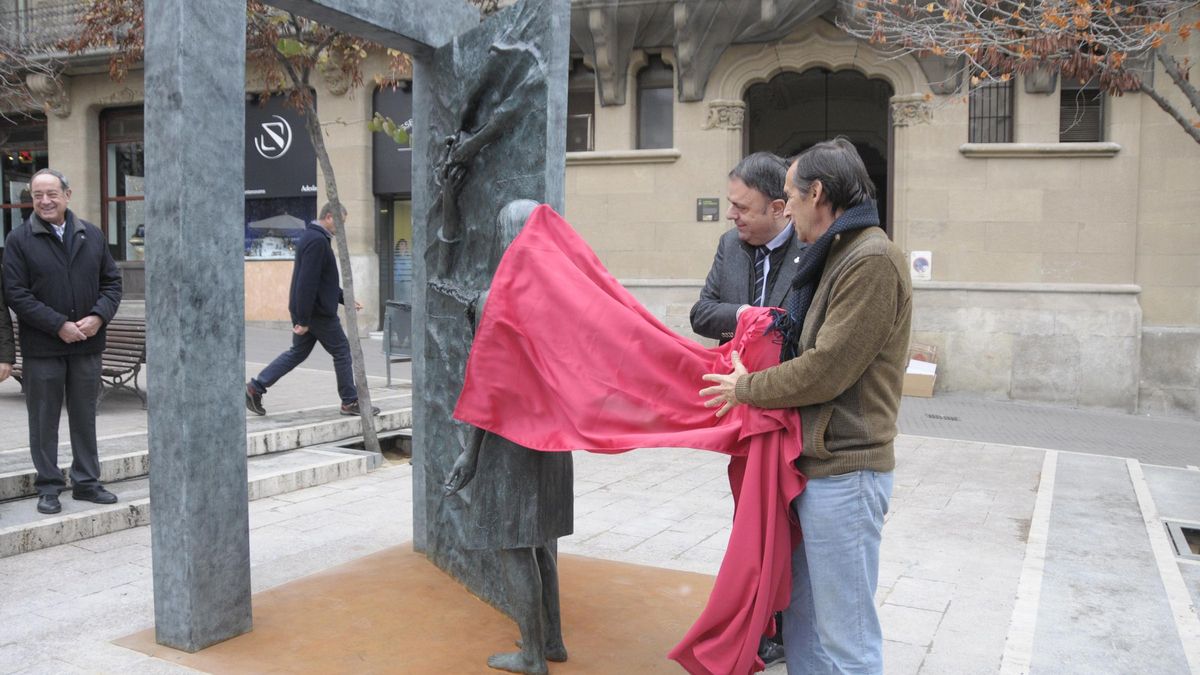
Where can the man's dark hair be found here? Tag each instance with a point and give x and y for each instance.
(52, 172)
(327, 210)
(764, 172)
(839, 168)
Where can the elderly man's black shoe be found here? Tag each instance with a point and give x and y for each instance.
(49, 504)
(96, 495)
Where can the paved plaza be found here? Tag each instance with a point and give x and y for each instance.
(1032, 556)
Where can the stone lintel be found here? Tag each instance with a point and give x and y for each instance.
(1031, 150)
(655, 156)
(1028, 287)
(195, 121)
(411, 26)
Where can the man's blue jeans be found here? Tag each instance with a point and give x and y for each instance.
(831, 625)
(328, 331)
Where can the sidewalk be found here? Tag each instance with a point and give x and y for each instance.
(997, 557)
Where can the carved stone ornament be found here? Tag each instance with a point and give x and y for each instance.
(725, 114)
(910, 110)
(336, 80)
(52, 93)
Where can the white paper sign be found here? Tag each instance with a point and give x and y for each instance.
(920, 263)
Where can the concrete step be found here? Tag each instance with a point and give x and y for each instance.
(126, 456)
(23, 529)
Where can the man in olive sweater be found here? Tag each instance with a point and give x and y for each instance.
(845, 340)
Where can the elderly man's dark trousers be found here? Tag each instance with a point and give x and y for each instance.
(47, 380)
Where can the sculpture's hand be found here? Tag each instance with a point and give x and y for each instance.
(455, 175)
(461, 473)
(463, 150)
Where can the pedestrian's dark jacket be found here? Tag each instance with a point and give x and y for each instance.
(316, 290)
(48, 283)
(8, 351)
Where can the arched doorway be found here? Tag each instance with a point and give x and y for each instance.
(794, 111)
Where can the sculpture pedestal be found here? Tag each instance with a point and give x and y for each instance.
(617, 618)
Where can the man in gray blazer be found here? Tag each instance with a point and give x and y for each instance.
(754, 265)
(757, 259)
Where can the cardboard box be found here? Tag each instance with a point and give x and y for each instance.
(921, 373)
(916, 384)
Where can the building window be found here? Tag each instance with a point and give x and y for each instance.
(991, 112)
(123, 178)
(655, 100)
(581, 107)
(1081, 114)
(22, 153)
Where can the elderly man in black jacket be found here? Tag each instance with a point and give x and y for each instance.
(62, 283)
(8, 349)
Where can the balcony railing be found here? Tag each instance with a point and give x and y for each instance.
(42, 28)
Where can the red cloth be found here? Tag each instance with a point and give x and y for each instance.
(565, 358)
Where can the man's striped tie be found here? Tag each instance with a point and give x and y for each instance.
(760, 278)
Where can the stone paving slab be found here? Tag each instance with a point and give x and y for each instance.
(1103, 607)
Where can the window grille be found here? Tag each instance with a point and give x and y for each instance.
(1081, 114)
(991, 112)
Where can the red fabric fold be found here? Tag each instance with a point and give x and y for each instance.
(565, 358)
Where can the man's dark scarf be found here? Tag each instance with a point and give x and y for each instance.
(804, 284)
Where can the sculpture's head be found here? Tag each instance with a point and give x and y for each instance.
(510, 221)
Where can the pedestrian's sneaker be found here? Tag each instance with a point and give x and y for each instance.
(352, 408)
(254, 400)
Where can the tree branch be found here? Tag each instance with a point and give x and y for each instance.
(1174, 112)
(1175, 72)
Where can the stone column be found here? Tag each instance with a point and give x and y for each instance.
(195, 121)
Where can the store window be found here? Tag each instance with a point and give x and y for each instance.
(281, 179)
(1081, 113)
(581, 107)
(123, 177)
(22, 153)
(991, 112)
(655, 101)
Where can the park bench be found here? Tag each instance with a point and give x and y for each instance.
(122, 361)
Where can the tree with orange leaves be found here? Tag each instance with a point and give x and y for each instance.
(1114, 44)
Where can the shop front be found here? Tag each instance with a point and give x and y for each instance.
(281, 199)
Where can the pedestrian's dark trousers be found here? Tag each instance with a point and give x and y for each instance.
(328, 331)
(47, 379)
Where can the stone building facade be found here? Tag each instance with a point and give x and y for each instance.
(1063, 228)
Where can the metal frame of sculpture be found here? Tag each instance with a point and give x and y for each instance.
(496, 90)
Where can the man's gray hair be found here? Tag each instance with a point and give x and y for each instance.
(52, 172)
(841, 171)
(327, 210)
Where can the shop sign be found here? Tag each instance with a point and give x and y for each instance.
(280, 160)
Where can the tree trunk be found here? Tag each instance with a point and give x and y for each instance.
(313, 124)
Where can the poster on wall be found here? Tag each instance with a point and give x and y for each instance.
(920, 264)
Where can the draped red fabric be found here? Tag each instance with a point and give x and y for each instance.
(565, 358)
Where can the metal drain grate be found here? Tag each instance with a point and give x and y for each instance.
(944, 418)
(1186, 538)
